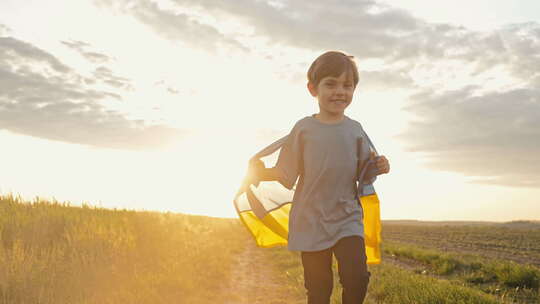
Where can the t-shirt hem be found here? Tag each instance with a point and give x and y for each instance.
(323, 247)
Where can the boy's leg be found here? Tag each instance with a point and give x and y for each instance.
(318, 277)
(353, 274)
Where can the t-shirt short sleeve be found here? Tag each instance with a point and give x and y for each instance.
(364, 155)
(290, 160)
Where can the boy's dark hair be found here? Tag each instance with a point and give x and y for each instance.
(332, 63)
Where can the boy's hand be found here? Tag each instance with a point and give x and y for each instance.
(381, 162)
(254, 170)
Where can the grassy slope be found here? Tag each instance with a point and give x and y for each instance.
(54, 253)
(390, 285)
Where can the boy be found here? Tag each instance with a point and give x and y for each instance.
(322, 150)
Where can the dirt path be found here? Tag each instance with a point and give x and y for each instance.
(256, 282)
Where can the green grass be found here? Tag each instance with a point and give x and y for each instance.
(514, 281)
(52, 252)
(441, 264)
(389, 284)
(508, 273)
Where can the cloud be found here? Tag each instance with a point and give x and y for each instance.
(489, 133)
(366, 29)
(106, 75)
(4, 30)
(381, 80)
(492, 138)
(18, 52)
(461, 125)
(42, 97)
(522, 42)
(369, 29)
(174, 26)
(92, 56)
(101, 73)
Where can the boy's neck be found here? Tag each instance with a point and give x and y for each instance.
(329, 118)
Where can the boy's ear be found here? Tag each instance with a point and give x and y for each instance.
(312, 89)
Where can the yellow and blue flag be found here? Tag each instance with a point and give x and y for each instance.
(263, 206)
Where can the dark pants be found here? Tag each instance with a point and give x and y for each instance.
(353, 275)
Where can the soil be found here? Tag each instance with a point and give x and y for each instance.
(499, 252)
(256, 282)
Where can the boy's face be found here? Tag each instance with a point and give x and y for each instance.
(333, 93)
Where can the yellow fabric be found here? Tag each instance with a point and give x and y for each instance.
(267, 235)
(372, 227)
(273, 229)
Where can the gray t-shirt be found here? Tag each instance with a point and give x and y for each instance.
(325, 205)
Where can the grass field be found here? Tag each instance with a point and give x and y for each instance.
(499, 259)
(448, 262)
(515, 241)
(52, 252)
(391, 284)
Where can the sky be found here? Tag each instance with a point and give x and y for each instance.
(158, 105)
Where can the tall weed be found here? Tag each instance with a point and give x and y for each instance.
(52, 252)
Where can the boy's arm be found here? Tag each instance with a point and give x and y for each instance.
(259, 172)
(383, 166)
(379, 166)
(269, 174)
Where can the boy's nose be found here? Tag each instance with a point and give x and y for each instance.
(340, 90)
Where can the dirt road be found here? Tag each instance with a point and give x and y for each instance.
(256, 282)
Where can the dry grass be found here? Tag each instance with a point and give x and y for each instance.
(51, 252)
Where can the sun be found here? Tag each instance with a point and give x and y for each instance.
(204, 171)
